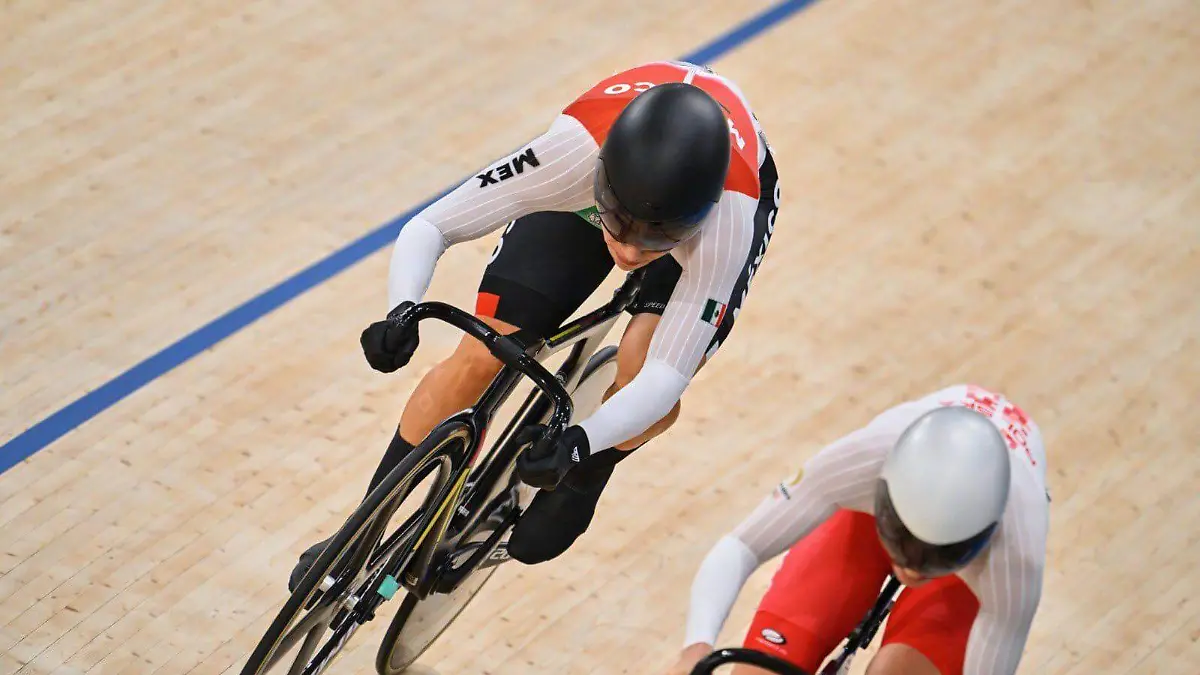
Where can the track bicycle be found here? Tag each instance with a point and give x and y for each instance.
(441, 554)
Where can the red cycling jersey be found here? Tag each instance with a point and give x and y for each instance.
(599, 107)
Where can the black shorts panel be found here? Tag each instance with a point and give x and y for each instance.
(657, 286)
(544, 267)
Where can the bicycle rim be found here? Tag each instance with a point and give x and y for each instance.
(341, 575)
(419, 623)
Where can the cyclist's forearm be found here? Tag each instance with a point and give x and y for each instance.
(416, 252)
(648, 398)
(715, 588)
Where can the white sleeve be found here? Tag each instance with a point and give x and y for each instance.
(842, 475)
(552, 173)
(1009, 587)
(711, 265)
(632, 410)
(714, 590)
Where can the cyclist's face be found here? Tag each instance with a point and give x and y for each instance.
(908, 577)
(629, 257)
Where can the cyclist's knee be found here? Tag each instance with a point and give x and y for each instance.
(628, 366)
(472, 360)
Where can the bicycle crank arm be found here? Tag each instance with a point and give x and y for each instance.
(487, 553)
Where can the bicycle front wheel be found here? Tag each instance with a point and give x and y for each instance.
(335, 596)
(419, 622)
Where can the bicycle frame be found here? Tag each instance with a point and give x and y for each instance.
(585, 336)
(521, 357)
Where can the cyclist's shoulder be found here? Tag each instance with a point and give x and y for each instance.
(599, 105)
(1020, 542)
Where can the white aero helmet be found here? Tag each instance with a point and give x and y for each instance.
(942, 491)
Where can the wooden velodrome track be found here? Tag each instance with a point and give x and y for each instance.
(1000, 191)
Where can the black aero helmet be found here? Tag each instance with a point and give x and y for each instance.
(662, 166)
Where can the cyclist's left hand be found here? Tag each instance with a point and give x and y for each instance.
(689, 657)
(543, 464)
(389, 344)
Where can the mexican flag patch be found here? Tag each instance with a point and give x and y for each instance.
(714, 312)
(590, 214)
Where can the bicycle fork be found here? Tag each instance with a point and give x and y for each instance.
(862, 635)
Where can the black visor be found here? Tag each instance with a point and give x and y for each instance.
(648, 235)
(928, 560)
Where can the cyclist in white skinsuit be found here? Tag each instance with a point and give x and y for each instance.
(974, 620)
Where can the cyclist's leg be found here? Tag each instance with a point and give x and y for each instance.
(544, 267)
(826, 584)
(635, 342)
(553, 521)
(631, 356)
(450, 386)
(927, 630)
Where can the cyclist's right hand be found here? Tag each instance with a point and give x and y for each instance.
(389, 344)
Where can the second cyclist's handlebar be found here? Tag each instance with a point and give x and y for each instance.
(721, 657)
(508, 350)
